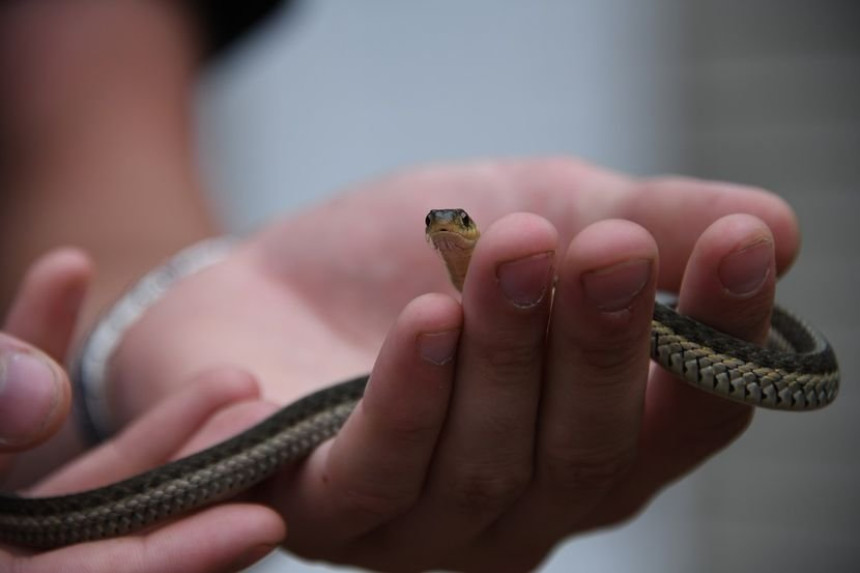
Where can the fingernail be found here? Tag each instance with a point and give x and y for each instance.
(525, 281)
(744, 271)
(438, 347)
(613, 288)
(29, 392)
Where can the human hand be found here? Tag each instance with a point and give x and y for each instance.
(34, 401)
(548, 423)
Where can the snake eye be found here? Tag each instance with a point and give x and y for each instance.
(427, 220)
(467, 221)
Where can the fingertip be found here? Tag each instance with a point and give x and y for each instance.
(512, 268)
(255, 524)
(66, 270)
(227, 383)
(205, 392)
(416, 359)
(743, 271)
(771, 210)
(225, 423)
(611, 241)
(730, 277)
(784, 227)
(71, 261)
(609, 266)
(729, 231)
(254, 531)
(200, 543)
(230, 395)
(431, 312)
(46, 307)
(517, 235)
(66, 261)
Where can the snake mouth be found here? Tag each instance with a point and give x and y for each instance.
(451, 220)
(449, 240)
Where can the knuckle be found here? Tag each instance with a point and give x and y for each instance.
(512, 358)
(484, 490)
(614, 352)
(408, 429)
(579, 472)
(372, 505)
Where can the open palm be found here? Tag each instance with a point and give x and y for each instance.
(468, 450)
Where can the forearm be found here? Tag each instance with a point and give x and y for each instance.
(96, 139)
(95, 133)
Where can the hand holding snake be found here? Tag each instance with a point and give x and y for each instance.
(34, 399)
(514, 441)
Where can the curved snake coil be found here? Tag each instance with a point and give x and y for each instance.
(796, 371)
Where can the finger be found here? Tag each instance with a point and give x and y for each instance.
(597, 371)
(34, 390)
(225, 423)
(591, 406)
(34, 396)
(156, 436)
(599, 354)
(45, 310)
(376, 467)
(729, 284)
(220, 539)
(484, 459)
(660, 204)
(573, 194)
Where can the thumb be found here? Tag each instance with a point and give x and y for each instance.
(34, 395)
(34, 390)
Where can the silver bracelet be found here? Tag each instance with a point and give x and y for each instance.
(89, 373)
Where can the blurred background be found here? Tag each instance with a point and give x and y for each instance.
(765, 92)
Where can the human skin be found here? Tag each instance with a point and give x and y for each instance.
(495, 425)
(539, 420)
(34, 401)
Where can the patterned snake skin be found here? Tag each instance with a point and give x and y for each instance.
(796, 371)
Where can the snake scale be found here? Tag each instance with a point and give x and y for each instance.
(797, 370)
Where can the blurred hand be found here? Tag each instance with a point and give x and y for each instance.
(495, 427)
(34, 401)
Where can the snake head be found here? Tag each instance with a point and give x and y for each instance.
(454, 234)
(451, 220)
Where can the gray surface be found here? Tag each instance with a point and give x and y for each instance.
(775, 101)
(762, 92)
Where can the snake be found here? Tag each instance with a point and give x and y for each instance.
(795, 370)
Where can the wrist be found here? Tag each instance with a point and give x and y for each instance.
(91, 365)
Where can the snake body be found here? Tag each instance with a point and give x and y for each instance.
(797, 370)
